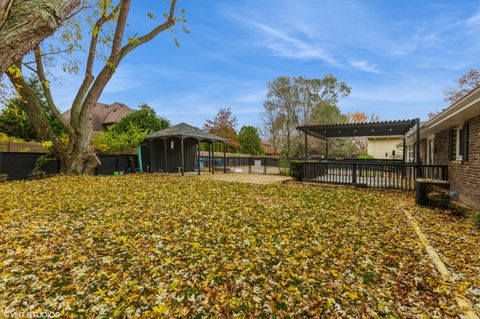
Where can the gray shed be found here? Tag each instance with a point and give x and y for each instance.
(177, 149)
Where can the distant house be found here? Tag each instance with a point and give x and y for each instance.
(268, 148)
(385, 147)
(105, 115)
(453, 138)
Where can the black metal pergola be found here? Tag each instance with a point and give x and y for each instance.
(364, 129)
(183, 132)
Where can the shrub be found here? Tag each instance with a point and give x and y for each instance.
(41, 162)
(283, 166)
(5, 138)
(37, 172)
(477, 220)
(296, 169)
(439, 198)
(115, 142)
(365, 156)
(458, 209)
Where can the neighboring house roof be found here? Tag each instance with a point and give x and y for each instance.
(457, 113)
(268, 147)
(106, 114)
(184, 130)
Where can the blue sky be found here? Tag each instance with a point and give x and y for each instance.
(398, 56)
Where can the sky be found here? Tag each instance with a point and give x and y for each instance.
(398, 56)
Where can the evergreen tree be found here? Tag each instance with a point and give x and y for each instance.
(250, 142)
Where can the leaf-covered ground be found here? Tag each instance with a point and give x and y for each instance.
(153, 246)
(457, 241)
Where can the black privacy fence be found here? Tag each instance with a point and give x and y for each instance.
(19, 165)
(372, 174)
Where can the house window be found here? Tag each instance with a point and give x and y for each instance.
(461, 142)
(410, 153)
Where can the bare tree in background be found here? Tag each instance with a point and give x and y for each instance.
(273, 124)
(464, 85)
(294, 101)
(358, 144)
(283, 98)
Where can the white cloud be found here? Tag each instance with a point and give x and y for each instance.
(363, 65)
(288, 46)
(404, 91)
(474, 20)
(250, 97)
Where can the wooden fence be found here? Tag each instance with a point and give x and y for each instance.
(24, 147)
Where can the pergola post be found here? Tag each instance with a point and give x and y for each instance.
(165, 154)
(212, 146)
(209, 160)
(224, 157)
(150, 145)
(183, 156)
(326, 148)
(198, 157)
(305, 146)
(417, 151)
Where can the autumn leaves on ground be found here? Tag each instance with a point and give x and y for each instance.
(152, 246)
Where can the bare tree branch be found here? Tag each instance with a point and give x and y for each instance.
(88, 78)
(27, 65)
(46, 90)
(5, 6)
(152, 34)
(33, 106)
(84, 7)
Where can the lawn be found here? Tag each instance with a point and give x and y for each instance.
(155, 246)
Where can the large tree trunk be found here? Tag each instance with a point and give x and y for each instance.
(25, 23)
(79, 164)
(80, 158)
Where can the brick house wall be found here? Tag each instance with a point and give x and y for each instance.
(441, 149)
(463, 176)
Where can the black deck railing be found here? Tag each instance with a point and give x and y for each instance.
(372, 174)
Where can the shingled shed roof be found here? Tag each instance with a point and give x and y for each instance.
(183, 130)
(385, 128)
